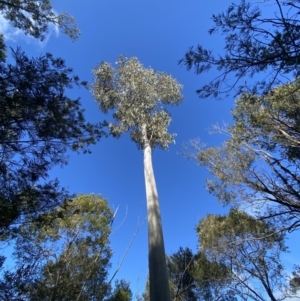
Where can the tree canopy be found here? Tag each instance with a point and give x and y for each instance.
(181, 266)
(38, 124)
(121, 292)
(34, 17)
(251, 251)
(63, 254)
(261, 39)
(257, 167)
(137, 97)
(295, 280)
(195, 277)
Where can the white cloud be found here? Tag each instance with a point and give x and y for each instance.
(13, 34)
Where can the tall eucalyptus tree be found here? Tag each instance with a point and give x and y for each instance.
(137, 97)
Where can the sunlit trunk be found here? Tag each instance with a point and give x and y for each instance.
(159, 284)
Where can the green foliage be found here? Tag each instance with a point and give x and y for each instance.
(122, 291)
(259, 165)
(213, 279)
(271, 122)
(194, 277)
(64, 254)
(38, 124)
(225, 232)
(34, 17)
(257, 40)
(181, 267)
(250, 248)
(295, 281)
(137, 97)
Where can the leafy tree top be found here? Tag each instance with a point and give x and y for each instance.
(295, 280)
(193, 277)
(257, 41)
(78, 217)
(258, 166)
(271, 121)
(251, 249)
(122, 291)
(227, 232)
(137, 97)
(34, 17)
(64, 254)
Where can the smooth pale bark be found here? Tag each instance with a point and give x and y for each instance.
(158, 276)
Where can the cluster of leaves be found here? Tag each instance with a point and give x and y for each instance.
(63, 254)
(259, 165)
(250, 250)
(38, 124)
(254, 43)
(34, 17)
(194, 277)
(137, 97)
(295, 280)
(121, 292)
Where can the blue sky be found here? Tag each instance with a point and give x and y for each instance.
(158, 33)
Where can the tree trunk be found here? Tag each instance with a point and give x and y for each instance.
(158, 276)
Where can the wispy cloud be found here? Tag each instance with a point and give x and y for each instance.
(13, 34)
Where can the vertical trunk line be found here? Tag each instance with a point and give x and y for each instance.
(158, 276)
